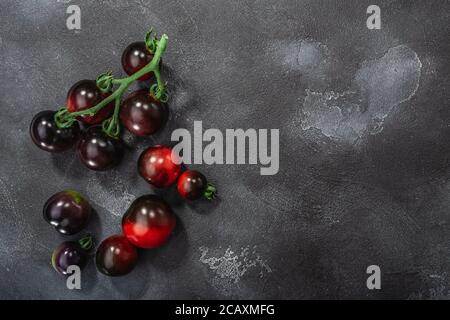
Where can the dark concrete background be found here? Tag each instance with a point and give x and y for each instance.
(364, 152)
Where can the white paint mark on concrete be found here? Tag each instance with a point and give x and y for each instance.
(231, 267)
(379, 86)
(311, 59)
(390, 80)
(115, 197)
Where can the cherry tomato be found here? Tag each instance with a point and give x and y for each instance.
(192, 185)
(47, 136)
(84, 95)
(116, 256)
(135, 57)
(98, 151)
(157, 168)
(141, 114)
(148, 222)
(68, 211)
(67, 254)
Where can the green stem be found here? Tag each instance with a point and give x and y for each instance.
(210, 192)
(92, 111)
(158, 90)
(158, 78)
(111, 126)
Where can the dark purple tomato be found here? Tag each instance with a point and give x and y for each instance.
(135, 57)
(98, 151)
(116, 256)
(47, 136)
(68, 211)
(156, 166)
(148, 222)
(84, 95)
(192, 185)
(141, 114)
(67, 254)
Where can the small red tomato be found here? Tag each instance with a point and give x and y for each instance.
(157, 167)
(148, 222)
(84, 95)
(192, 185)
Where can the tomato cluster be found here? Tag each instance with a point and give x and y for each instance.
(91, 120)
(140, 113)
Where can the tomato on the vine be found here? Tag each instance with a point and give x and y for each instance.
(84, 95)
(135, 57)
(142, 114)
(46, 135)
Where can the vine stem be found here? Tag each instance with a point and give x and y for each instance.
(111, 126)
(124, 83)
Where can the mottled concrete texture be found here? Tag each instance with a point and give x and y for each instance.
(364, 147)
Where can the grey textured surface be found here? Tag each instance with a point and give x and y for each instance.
(364, 152)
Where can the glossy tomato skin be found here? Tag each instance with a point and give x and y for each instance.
(142, 114)
(135, 57)
(84, 95)
(47, 136)
(148, 222)
(116, 256)
(97, 151)
(67, 211)
(192, 185)
(67, 254)
(155, 165)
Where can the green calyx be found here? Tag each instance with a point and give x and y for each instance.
(151, 41)
(210, 192)
(76, 196)
(106, 82)
(86, 243)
